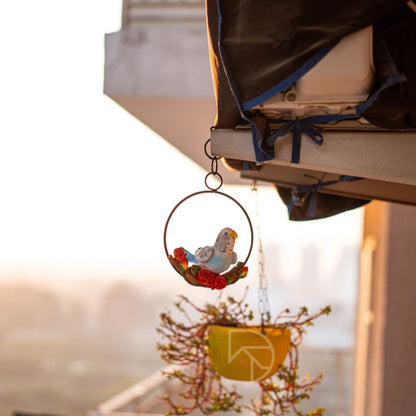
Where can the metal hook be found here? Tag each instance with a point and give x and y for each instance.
(206, 151)
(214, 169)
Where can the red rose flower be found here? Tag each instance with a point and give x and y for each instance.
(218, 282)
(179, 254)
(205, 277)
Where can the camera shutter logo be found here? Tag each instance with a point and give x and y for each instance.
(256, 352)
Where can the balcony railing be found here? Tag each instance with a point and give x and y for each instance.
(334, 392)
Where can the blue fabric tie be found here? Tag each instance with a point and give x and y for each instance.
(301, 193)
(298, 126)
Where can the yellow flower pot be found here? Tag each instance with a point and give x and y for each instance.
(247, 354)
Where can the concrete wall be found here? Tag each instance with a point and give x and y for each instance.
(386, 325)
(157, 68)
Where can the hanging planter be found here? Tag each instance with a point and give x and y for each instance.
(196, 346)
(247, 353)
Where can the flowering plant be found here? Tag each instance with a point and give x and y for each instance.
(203, 388)
(198, 276)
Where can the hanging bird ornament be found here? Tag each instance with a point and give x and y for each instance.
(209, 262)
(219, 257)
(210, 266)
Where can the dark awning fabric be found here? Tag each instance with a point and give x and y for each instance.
(396, 106)
(318, 206)
(260, 47)
(264, 42)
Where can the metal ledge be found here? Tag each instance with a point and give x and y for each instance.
(385, 159)
(378, 155)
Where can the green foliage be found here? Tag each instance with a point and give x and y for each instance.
(203, 388)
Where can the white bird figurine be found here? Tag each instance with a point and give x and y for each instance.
(219, 257)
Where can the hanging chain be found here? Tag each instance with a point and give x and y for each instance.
(264, 307)
(214, 169)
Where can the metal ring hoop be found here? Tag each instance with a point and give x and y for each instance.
(216, 193)
(211, 188)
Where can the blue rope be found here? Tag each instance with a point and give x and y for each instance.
(302, 192)
(291, 79)
(298, 126)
